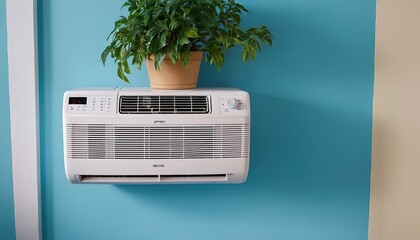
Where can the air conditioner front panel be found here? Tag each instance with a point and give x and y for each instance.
(126, 135)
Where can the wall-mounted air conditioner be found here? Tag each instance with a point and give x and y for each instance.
(136, 135)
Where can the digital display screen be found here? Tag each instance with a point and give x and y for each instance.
(77, 100)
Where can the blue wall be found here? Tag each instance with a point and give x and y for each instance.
(311, 130)
(7, 217)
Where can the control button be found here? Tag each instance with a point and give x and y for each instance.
(232, 103)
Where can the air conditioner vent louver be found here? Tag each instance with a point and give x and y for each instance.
(164, 105)
(152, 178)
(105, 141)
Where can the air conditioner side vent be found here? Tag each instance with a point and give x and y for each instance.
(164, 105)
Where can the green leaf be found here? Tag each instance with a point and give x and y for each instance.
(253, 53)
(105, 54)
(173, 25)
(191, 33)
(244, 55)
(174, 57)
(182, 41)
(241, 7)
(237, 18)
(216, 56)
(185, 57)
(126, 67)
(163, 37)
(159, 57)
(126, 4)
(121, 74)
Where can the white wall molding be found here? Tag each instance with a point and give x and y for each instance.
(23, 93)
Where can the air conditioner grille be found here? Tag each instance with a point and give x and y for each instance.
(164, 105)
(105, 141)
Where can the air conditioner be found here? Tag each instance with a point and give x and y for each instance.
(139, 135)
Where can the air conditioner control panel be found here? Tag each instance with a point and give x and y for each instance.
(107, 104)
(91, 104)
(233, 104)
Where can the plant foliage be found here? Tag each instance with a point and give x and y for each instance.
(176, 27)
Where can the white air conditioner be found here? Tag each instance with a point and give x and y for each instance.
(138, 135)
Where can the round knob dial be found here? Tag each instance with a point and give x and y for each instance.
(232, 103)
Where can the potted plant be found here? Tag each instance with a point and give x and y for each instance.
(173, 35)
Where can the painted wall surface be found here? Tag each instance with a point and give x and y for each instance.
(7, 219)
(395, 194)
(311, 130)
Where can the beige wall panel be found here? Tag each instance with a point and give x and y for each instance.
(395, 183)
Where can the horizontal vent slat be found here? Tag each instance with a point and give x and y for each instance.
(164, 105)
(101, 141)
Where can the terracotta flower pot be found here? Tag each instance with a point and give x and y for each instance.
(174, 76)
